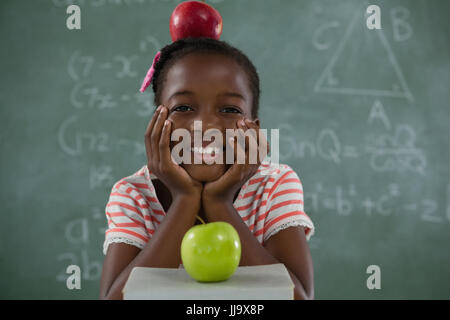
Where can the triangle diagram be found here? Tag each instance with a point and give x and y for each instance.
(363, 64)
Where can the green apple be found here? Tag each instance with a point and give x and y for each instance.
(211, 252)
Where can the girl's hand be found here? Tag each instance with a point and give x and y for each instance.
(160, 163)
(225, 188)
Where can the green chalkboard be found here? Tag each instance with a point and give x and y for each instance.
(363, 116)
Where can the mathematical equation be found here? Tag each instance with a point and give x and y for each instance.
(346, 201)
(78, 233)
(76, 142)
(385, 152)
(394, 150)
(87, 95)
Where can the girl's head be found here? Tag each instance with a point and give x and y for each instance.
(202, 79)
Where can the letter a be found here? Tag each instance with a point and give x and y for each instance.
(74, 20)
(74, 280)
(377, 111)
(374, 20)
(374, 281)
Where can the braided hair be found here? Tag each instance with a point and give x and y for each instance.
(180, 48)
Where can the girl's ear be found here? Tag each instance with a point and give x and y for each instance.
(256, 121)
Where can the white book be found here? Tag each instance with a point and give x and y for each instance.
(265, 282)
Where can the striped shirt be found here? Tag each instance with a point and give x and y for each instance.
(266, 203)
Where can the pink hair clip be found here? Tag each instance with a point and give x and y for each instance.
(148, 77)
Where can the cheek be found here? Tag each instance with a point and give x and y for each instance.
(175, 121)
(182, 133)
(177, 125)
(178, 121)
(230, 123)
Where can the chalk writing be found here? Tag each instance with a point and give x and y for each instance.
(401, 28)
(346, 201)
(85, 95)
(316, 38)
(100, 176)
(329, 82)
(386, 152)
(81, 66)
(91, 269)
(396, 152)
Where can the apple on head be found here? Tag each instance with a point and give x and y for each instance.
(195, 19)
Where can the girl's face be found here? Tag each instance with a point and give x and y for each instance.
(211, 88)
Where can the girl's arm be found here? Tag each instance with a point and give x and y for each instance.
(161, 251)
(163, 248)
(288, 246)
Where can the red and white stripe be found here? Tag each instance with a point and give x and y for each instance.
(266, 203)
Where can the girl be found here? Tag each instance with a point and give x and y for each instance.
(148, 213)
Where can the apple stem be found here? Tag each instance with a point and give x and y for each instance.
(201, 220)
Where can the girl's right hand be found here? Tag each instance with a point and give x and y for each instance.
(160, 163)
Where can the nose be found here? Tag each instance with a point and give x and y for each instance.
(207, 121)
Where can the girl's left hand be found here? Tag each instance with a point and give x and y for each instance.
(225, 188)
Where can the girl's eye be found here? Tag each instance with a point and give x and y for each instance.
(232, 110)
(182, 108)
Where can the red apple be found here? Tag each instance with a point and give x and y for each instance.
(195, 19)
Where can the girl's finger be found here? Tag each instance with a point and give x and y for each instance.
(232, 141)
(244, 128)
(256, 135)
(164, 143)
(152, 121)
(252, 153)
(239, 151)
(149, 129)
(263, 146)
(156, 133)
(251, 125)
